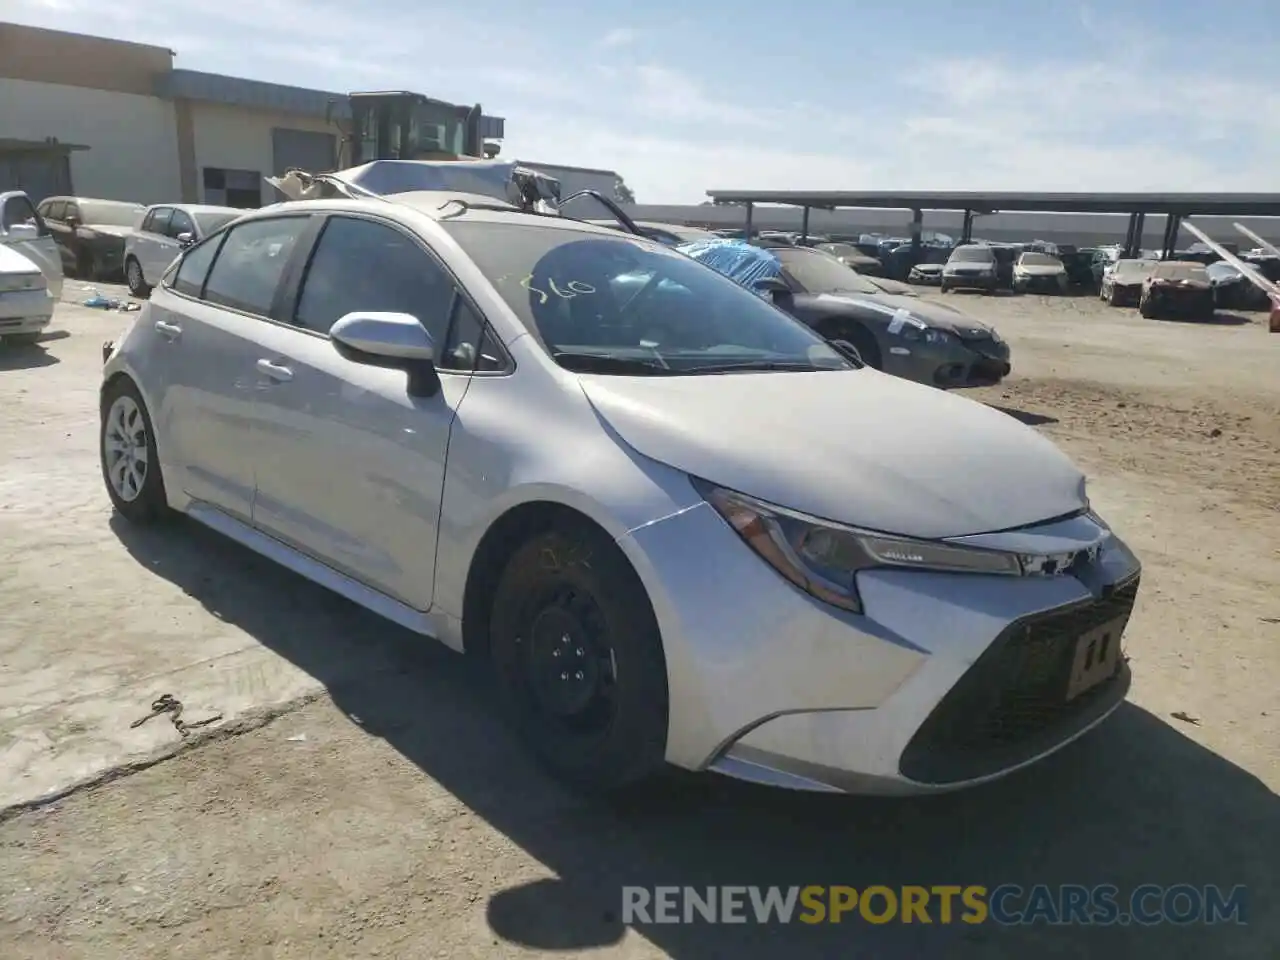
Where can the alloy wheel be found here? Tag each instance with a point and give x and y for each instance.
(124, 444)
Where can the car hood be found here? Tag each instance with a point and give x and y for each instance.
(937, 315)
(12, 262)
(1040, 270)
(858, 447)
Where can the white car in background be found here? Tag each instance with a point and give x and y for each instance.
(30, 270)
(164, 231)
(675, 523)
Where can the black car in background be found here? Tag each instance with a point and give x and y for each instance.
(91, 233)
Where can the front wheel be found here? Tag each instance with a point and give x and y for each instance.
(127, 448)
(579, 659)
(133, 276)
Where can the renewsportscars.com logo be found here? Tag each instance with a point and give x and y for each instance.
(1007, 905)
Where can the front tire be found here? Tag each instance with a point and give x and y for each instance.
(127, 451)
(578, 655)
(134, 278)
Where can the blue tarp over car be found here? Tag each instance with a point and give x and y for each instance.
(741, 262)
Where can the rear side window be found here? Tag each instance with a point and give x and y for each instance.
(251, 262)
(194, 267)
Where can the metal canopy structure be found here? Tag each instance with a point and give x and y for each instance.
(1173, 206)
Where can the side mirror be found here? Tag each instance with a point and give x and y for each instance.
(23, 231)
(776, 287)
(72, 221)
(186, 239)
(395, 340)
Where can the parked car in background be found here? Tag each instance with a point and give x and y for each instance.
(1177, 289)
(30, 271)
(928, 342)
(854, 258)
(1035, 272)
(1078, 264)
(1122, 281)
(414, 401)
(926, 274)
(1232, 290)
(971, 267)
(162, 232)
(1104, 257)
(91, 233)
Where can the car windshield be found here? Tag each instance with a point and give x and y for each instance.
(604, 304)
(1133, 269)
(1040, 260)
(211, 220)
(1181, 271)
(972, 255)
(817, 272)
(109, 213)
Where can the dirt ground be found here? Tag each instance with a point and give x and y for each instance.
(360, 799)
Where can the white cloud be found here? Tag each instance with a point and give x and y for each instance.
(1101, 122)
(619, 37)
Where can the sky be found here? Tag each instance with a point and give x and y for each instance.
(682, 97)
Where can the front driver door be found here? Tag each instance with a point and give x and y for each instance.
(350, 468)
(23, 230)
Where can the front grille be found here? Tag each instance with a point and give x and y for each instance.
(1012, 703)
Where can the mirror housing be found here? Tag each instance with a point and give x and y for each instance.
(186, 239)
(777, 289)
(22, 231)
(72, 221)
(395, 340)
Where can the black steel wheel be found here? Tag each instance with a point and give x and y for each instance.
(578, 655)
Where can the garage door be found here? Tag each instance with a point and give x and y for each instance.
(307, 149)
(40, 173)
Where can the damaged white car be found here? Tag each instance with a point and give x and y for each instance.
(30, 271)
(677, 525)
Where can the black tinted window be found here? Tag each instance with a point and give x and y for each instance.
(194, 268)
(157, 220)
(251, 261)
(180, 224)
(471, 346)
(361, 265)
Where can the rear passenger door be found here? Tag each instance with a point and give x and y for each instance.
(211, 328)
(350, 467)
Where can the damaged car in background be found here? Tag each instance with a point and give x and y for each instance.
(30, 271)
(1123, 281)
(973, 266)
(1036, 272)
(91, 233)
(1233, 289)
(909, 337)
(671, 524)
(1177, 289)
(853, 258)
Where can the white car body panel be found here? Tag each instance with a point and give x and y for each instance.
(26, 239)
(331, 469)
(26, 304)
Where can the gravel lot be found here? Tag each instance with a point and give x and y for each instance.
(359, 799)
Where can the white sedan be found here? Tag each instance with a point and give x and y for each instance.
(162, 232)
(678, 525)
(30, 271)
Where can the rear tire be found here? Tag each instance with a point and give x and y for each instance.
(127, 451)
(578, 656)
(134, 278)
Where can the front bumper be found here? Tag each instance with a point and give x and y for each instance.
(25, 311)
(978, 362)
(946, 681)
(970, 281)
(1173, 302)
(1034, 284)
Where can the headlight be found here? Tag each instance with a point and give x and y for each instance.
(11, 282)
(823, 558)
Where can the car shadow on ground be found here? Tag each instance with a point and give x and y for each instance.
(1025, 416)
(1220, 318)
(1134, 802)
(29, 356)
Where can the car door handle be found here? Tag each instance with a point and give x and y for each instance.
(170, 331)
(275, 371)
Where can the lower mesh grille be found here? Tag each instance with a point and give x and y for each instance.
(1012, 703)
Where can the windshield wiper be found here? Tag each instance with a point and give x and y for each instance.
(603, 363)
(801, 366)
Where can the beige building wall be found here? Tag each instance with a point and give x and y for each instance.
(132, 139)
(238, 138)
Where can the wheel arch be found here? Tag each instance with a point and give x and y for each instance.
(862, 335)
